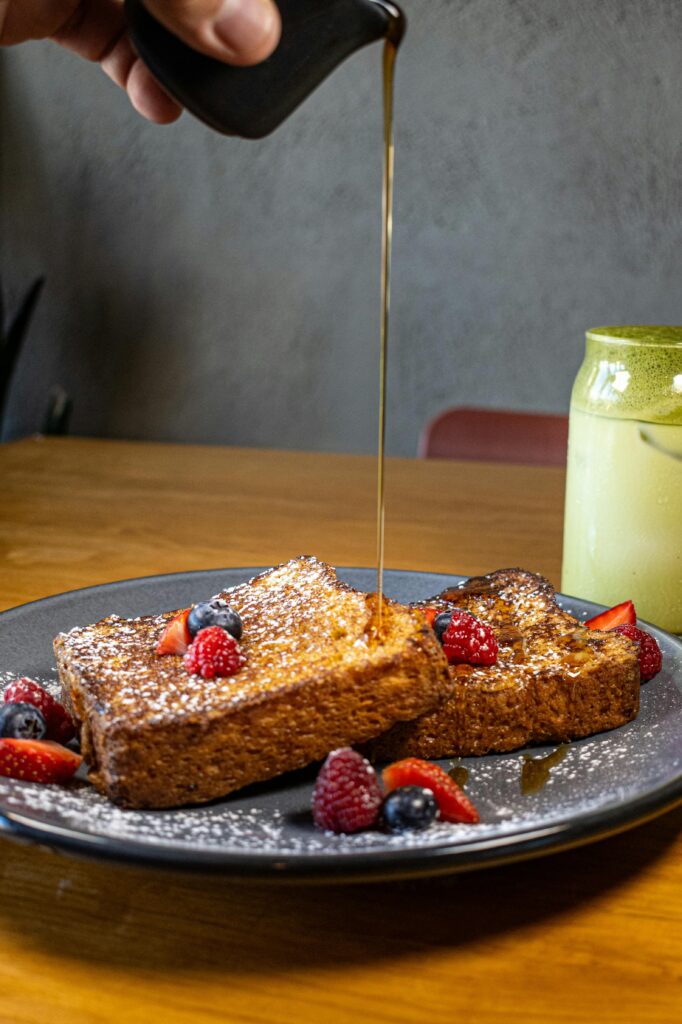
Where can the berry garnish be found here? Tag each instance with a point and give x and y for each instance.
(176, 636)
(215, 613)
(430, 614)
(37, 760)
(22, 722)
(469, 641)
(441, 623)
(409, 808)
(453, 804)
(619, 615)
(213, 652)
(58, 721)
(346, 797)
(650, 657)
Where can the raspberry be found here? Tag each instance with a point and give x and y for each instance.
(346, 797)
(468, 640)
(59, 723)
(213, 652)
(650, 657)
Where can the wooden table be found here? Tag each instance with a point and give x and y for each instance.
(590, 935)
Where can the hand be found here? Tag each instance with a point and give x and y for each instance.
(236, 31)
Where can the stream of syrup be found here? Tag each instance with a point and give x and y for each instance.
(390, 51)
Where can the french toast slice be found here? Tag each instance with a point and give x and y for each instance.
(318, 675)
(554, 680)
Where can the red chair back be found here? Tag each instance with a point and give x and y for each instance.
(495, 435)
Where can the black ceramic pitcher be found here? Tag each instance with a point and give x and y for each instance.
(316, 36)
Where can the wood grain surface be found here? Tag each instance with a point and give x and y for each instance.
(593, 934)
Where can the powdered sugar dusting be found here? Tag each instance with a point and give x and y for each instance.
(595, 775)
(535, 635)
(268, 824)
(285, 640)
(48, 681)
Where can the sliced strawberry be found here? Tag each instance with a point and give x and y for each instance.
(60, 726)
(176, 637)
(620, 615)
(37, 760)
(453, 804)
(431, 615)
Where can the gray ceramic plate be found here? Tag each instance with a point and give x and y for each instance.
(594, 787)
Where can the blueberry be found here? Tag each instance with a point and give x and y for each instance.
(215, 613)
(22, 722)
(441, 623)
(409, 807)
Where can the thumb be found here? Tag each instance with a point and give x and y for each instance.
(235, 31)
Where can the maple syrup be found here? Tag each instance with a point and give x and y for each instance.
(535, 771)
(459, 773)
(388, 77)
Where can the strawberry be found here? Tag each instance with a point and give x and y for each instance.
(453, 804)
(431, 614)
(60, 726)
(620, 615)
(37, 760)
(176, 637)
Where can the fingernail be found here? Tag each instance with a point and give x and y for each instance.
(243, 25)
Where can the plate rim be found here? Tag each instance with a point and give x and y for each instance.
(364, 865)
(367, 865)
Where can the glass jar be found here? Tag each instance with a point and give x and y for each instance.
(623, 518)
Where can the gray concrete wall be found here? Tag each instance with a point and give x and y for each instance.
(208, 289)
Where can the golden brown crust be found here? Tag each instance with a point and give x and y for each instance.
(316, 677)
(554, 679)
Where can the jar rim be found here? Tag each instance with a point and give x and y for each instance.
(650, 336)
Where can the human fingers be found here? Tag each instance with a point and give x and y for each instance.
(33, 19)
(236, 31)
(125, 68)
(96, 30)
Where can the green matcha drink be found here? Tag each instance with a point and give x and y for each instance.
(623, 520)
